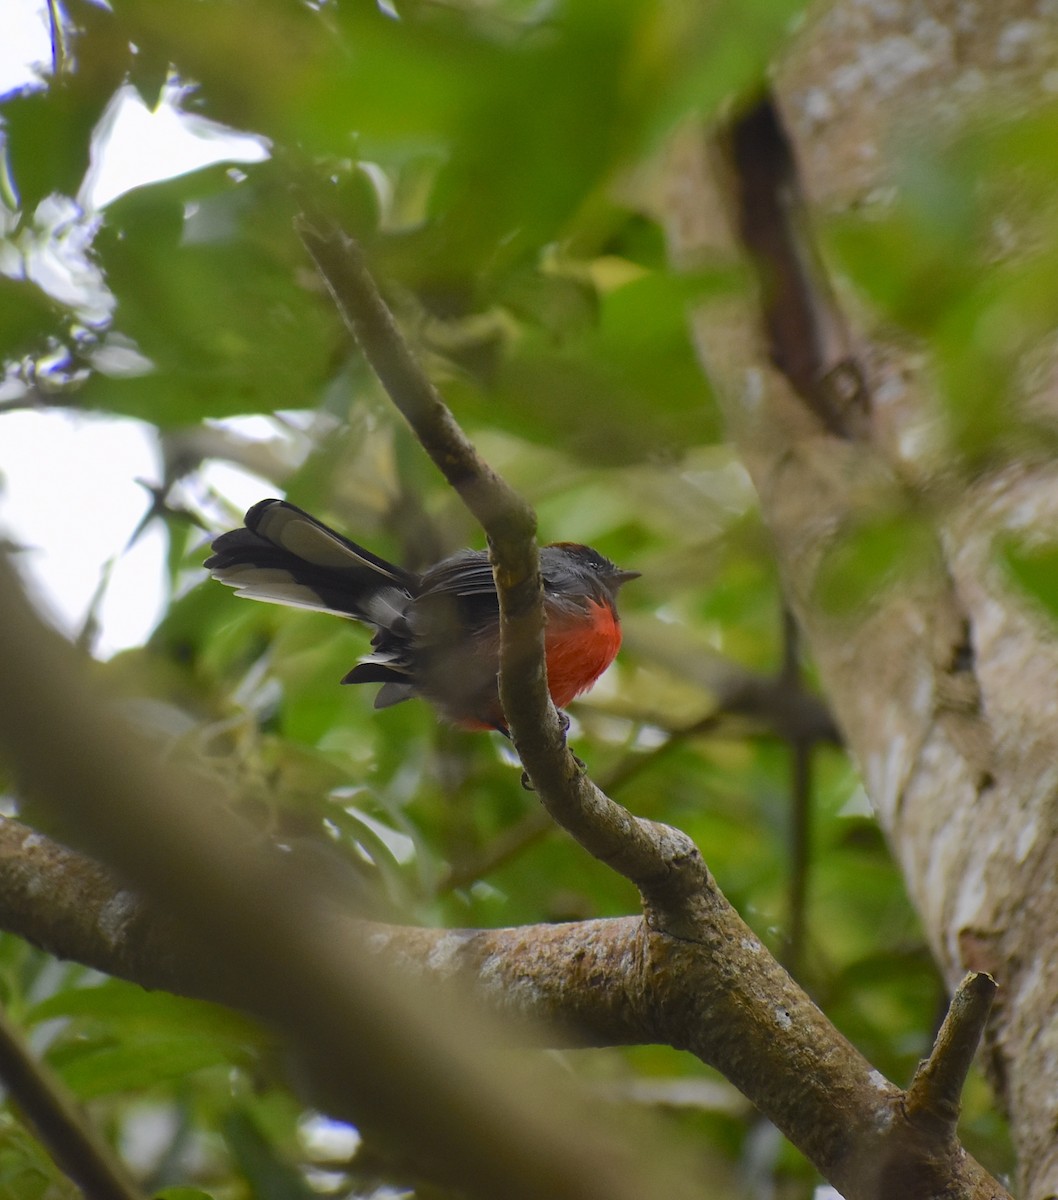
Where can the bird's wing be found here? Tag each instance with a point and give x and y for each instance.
(468, 573)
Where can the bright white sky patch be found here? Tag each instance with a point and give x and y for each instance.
(26, 43)
(67, 482)
(68, 495)
(140, 146)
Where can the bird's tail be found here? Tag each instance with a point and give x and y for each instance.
(284, 556)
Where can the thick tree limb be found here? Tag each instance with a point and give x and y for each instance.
(721, 996)
(804, 324)
(580, 978)
(594, 982)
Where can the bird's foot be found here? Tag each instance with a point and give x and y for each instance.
(564, 721)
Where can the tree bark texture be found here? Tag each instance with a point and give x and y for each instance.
(945, 685)
(719, 995)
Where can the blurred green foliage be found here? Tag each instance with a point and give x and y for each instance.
(965, 258)
(496, 159)
(1034, 568)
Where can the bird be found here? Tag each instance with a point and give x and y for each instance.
(436, 633)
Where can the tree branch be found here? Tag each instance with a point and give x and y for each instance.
(576, 977)
(58, 1122)
(934, 1095)
(663, 863)
(424, 1076)
(806, 330)
(817, 1089)
(800, 807)
(722, 996)
(340, 261)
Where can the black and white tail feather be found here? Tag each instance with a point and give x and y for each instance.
(284, 556)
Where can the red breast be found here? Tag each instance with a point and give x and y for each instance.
(579, 648)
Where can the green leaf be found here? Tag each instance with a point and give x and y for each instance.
(137, 1064)
(621, 390)
(217, 307)
(269, 1175)
(28, 316)
(1034, 568)
(867, 561)
(49, 132)
(137, 1009)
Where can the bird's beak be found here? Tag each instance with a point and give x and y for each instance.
(620, 577)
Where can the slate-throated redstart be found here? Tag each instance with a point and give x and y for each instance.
(437, 635)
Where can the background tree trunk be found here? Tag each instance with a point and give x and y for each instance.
(945, 683)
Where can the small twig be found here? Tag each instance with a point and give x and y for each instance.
(59, 53)
(800, 855)
(768, 700)
(800, 806)
(507, 845)
(932, 1100)
(72, 1142)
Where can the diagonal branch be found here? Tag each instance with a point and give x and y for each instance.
(500, 510)
(662, 862)
(61, 1126)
